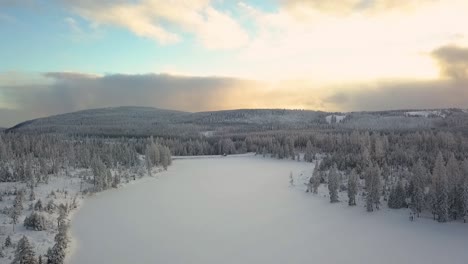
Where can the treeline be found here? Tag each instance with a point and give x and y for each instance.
(426, 171)
(33, 158)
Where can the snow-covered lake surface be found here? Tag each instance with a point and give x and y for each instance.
(242, 210)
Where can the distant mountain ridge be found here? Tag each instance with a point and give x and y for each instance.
(144, 121)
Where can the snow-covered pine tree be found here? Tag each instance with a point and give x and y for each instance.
(7, 242)
(100, 173)
(148, 160)
(439, 189)
(397, 198)
(308, 155)
(464, 193)
(333, 184)
(417, 201)
(454, 179)
(353, 182)
(56, 254)
(24, 253)
(165, 156)
(317, 179)
(373, 187)
(35, 221)
(17, 209)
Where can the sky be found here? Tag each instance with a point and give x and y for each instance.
(60, 56)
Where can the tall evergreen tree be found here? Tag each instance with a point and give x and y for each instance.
(24, 253)
(440, 191)
(333, 184)
(418, 188)
(397, 198)
(315, 179)
(352, 187)
(464, 187)
(373, 187)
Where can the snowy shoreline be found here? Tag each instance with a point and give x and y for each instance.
(64, 189)
(250, 154)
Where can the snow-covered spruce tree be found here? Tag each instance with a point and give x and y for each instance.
(379, 150)
(101, 175)
(353, 182)
(38, 205)
(56, 254)
(317, 179)
(333, 184)
(464, 187)
(417, 197)
(308, 155)
(149, 160)
(24, 253)
(50, 207)
(314, 181)
(165, 156)
(35, 221)
(439, 190)
(17, 208)
(373, 187)
(61, 220)
(32, 195)
(454, 178)
(7, 242)
(397, 198)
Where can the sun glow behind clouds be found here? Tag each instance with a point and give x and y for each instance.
(358, 46)
(311, 54)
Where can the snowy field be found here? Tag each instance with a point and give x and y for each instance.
(242, 210)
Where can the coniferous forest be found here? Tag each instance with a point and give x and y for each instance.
(423, 168)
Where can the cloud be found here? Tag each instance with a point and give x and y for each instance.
(399, 95)
(74, 26)
(350, 47)
(67, 92)
(59, 92)
(451, 90)
(453, 61)
(344, 7)
(164, 21)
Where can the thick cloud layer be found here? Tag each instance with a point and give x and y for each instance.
(60, 92)
(450, 91)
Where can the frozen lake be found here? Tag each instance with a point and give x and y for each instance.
(241, 210)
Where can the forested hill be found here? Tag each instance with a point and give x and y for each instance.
(145, 121)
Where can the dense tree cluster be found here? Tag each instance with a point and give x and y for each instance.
(423, 171)
(33, 159)
(36, 221)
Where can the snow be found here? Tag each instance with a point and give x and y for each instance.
(242, 210)
(207, 133)
(425, 113)
(339, 118)
(249, 154)
(40, 240)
